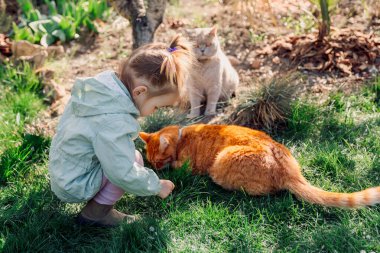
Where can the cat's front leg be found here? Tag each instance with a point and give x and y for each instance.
(195, 101)
(213, 95)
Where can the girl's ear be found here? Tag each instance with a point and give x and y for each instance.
(144, 136)
(164, 143)
(139, 90)
(213, 31)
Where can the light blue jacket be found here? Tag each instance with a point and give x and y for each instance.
(95, 137)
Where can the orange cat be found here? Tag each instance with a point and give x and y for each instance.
(241, 158)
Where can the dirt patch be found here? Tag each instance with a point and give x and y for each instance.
(239, 37)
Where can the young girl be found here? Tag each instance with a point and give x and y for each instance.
(92, 156)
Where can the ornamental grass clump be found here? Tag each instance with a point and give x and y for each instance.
(267, 105)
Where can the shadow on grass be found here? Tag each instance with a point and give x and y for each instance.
(18, 161)
(39, 222)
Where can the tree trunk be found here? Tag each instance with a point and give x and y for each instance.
(5, 19)
(145, 21)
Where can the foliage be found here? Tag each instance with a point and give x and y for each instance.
(63, 22)
(20, 103)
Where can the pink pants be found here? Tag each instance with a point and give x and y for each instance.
(109, 193)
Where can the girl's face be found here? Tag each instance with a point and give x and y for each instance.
(148, 104)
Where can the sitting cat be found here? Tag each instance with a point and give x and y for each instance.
(213, 76)
(241, 158)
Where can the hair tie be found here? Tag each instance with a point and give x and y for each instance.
(172, 49)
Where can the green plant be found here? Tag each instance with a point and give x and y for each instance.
(256, 38)
(302, 24)
(19, 104)
(268, 105)
(20, 78)
(325, 7)
(160, 119)
(63, 22)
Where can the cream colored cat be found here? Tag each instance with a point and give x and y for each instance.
(213, 78)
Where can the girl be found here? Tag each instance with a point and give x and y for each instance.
(92, 156)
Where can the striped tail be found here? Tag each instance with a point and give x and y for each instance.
(298, 185)
(306, 191)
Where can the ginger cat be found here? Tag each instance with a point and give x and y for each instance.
(213, 77)
(241, 158)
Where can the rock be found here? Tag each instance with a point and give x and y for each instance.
(120, 24)
(276, 60)
(256, 64)
(55, 51)
(54, 91)
(35, 54)
(24, 50)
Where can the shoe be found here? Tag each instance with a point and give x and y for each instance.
(98, 215)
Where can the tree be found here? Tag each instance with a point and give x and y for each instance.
(144, 20)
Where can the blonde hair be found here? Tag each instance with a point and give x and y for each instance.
(163, 66)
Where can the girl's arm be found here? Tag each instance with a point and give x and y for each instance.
(115, 150)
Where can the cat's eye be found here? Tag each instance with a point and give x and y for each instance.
(208, 44)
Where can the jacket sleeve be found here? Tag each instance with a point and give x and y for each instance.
(115, 150)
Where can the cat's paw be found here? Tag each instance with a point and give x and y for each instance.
(210, 113)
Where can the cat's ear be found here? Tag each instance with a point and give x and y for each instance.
(164, 143)
(189, 33)
(144, 136)
(213, 31)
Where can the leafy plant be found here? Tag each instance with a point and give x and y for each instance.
(63, 22)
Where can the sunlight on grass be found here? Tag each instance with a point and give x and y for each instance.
(337, 144)
(20, 103)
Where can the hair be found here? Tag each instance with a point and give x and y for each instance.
(164, 67)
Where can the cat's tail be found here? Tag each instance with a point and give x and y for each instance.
(306, 191)
(298, 185)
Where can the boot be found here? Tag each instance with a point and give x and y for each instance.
(99, 215)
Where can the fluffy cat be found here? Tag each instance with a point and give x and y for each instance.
(213, 77)
(241, 158)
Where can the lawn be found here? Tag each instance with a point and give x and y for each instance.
(337, 144)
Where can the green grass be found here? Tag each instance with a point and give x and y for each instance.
(20, 102)
(336, 143)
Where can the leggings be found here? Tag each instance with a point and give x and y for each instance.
(109, 193)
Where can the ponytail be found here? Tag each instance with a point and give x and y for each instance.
(160, 65)
(177, 62)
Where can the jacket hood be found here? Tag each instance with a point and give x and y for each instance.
(101, 94)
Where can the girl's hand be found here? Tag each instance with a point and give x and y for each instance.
(167, 187)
